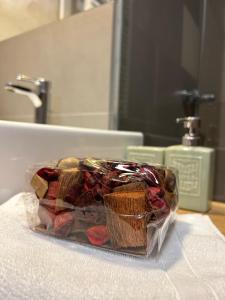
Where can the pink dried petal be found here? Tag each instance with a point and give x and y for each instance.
(98, 235)
(53, 190)
(156, 191)
(63, 223)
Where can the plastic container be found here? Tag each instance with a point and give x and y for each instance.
(116, 205)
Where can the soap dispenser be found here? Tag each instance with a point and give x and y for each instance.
(195, 165)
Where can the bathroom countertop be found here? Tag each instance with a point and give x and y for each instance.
(216, 214)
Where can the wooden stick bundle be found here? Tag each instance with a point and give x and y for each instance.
(126, 219)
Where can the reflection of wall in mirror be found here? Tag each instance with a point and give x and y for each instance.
(75, 55)
(17, 17)
(83, 5)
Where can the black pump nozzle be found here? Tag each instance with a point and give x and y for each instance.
(192, 100)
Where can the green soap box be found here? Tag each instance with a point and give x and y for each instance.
(146, 154)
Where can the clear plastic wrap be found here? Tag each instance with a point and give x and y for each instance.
(116, 205)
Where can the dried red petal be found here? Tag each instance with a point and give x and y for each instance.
(156, 191)
(73, 194)
(53, 189)
(89, 179)
(154, 198)
(158, 203)
(63, 223)
(84, 200)
(98, 235)
(48, 174)
(86, 187)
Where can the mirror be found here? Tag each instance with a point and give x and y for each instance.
(17, 17)
(66, 63)
(171, 65)
(165, 53)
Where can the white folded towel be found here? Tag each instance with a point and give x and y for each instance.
(190, 266)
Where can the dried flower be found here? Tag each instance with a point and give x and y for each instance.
(98, 235)
(48, 174)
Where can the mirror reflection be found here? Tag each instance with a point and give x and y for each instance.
(65, 63)
(17, 17)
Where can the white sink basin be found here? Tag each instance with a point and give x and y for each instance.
(24, 144)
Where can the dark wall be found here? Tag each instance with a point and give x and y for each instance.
(212, 78)
(169, 46)
(152, 68)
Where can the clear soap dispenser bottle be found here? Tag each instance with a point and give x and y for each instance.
(195, 165)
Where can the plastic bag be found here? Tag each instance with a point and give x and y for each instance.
(116, 205)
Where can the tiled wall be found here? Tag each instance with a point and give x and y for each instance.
(75, 55)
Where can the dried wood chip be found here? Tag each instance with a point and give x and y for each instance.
(68, 163)
(67, 179)
(133, 186)
(39, 185)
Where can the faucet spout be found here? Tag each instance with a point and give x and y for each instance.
(17, 89)
(39, 96)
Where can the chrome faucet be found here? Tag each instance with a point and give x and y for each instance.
(39, 97)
